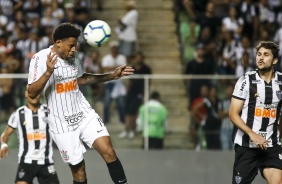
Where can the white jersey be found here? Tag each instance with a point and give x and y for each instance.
(66, 104)
(35, 142)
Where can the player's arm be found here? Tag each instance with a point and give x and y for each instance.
(234, 111)
(119, 72)
(35, 88)
(4, 140)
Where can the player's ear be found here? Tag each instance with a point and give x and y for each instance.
(58, 43)
(275, 61)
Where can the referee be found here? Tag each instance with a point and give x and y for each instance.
(35, 157)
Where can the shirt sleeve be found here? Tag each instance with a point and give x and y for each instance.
(37, 67)
(130, 18)
(13, 120)
(241, 89)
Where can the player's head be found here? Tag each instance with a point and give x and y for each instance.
(267, 55)
(65, 39)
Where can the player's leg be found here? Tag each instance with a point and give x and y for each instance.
(71, 149)
(271, 167)
(245, 166)
(273, 175)
(104, 147)
(79, 173)
(96, 135)
(48, 175)
(26, 173)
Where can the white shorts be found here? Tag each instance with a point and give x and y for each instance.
(70, 144)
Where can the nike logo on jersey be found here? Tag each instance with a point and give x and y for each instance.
(98, 131)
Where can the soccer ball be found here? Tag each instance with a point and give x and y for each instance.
(96, 33)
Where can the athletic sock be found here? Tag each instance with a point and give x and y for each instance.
(79, 182)
(116, 172)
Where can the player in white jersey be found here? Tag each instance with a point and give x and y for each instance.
(56, 72)
(255, 111)
(35, 157)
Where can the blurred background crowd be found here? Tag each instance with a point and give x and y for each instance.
(214, 37)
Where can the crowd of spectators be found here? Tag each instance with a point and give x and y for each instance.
(228, 29)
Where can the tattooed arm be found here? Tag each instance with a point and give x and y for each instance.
(119, 72)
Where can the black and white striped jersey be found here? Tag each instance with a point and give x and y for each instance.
(35, 143)
(67, 106)
(261, 109)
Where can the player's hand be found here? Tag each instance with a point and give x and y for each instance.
(3, 152)
(122, 71)
(260, 141)
(52, 59)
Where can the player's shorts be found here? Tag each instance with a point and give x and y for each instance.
(46, 174)
(249, 160)
(70, 144)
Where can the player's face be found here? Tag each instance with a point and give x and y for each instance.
(67, 47)
(264, 59)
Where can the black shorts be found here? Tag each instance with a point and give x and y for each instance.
(249, 160)
(46, 174)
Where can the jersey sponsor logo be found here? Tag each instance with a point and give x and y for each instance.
(256, 82)
(241, 90)
(65, 87)
(265, 113)
(35, 72)
(36, 136)
(51, 169)
(75, 118)
(251, 72)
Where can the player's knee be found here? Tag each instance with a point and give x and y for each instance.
(109, 155)
(78, 171)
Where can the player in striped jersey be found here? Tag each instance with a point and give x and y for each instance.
(57, 72)
(35, 157)
(255, 111)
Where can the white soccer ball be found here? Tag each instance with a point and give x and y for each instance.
(96, 33)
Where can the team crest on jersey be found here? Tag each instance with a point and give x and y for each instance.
(279, 94)
(64, 155)
(21, 174)
(278, 82)
(256, 94)
(238, 179)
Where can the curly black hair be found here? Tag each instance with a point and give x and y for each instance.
(271, 46)
(65, 30)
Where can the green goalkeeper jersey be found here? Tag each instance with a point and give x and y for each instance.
(157, 114)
